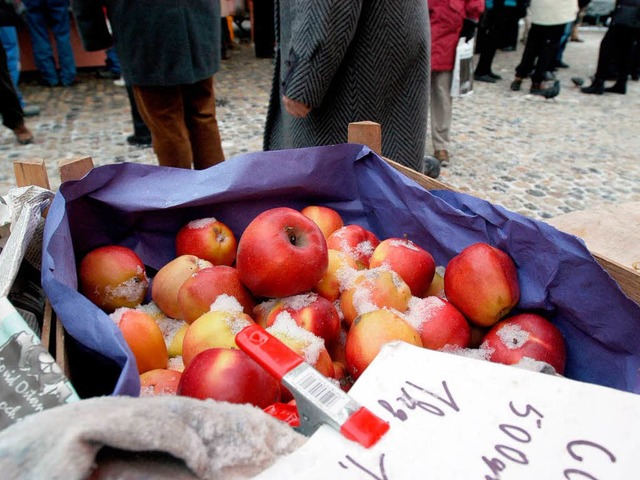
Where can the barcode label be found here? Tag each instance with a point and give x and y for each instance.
(315, 385)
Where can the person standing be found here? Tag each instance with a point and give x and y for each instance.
(548, 21)
(42, 15)
(10, 108)
(450, 21)
(169, 52)
(619, 46)
(342, 62)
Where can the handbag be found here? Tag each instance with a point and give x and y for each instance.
(462, 82)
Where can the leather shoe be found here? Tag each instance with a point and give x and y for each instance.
(516, 85)
(484, 78)
(596, 88)
(617, 88)
(23, 135)
(442, 156)
(139, 141)
(548, 92)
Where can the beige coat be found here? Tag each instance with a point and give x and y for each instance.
(553, 12)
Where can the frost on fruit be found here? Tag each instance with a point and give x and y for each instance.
(131, 290)
(513, 336)
(226, 303)
(404, 243)
(285, 326)
(528, 363)
(298, 302)
(201, 223)
(176, 363)
(482, 353)
(422, 311)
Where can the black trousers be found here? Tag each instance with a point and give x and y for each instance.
(10, 109)
(618, 47)
(540, 51)
(491, 33)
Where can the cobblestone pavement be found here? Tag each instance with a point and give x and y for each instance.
(537, 157)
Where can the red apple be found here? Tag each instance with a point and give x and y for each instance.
(370, 332)
(341, 268)
(228, 375)
(160, 381)
(372, 290)
(413, 263)
(214, 329)
(326, 218)
(439, 323)
(209, 239)
(482, 282)
(167, 282)
(356, 241)
(199, 291)
(526, 335)
(312, 312)
(113, 277)
(281, 253)
(144, 337)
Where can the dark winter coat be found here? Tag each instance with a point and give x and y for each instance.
(447, 17)
(351, 61)
(159, 43)
(626, 13)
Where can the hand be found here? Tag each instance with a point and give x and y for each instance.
(295, 108)
(468, 29)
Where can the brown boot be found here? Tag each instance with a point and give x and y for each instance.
(23, 134)
(442, 156)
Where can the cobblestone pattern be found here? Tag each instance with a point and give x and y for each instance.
(537, 157)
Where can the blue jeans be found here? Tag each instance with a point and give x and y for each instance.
(54, 14)
(9, 39)
(113, 62)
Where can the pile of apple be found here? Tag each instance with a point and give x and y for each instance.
(333, 293)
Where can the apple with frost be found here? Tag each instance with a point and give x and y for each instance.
(228, 375)
(341, 266)
(161, 381)
(167, 282)
(326, 218)
(439, 323)
(372, 290)
(356, 241)
(413, 263)
(144, 338)
(482, 282)
(203, 287)
(113, 277)
(209, 239)
(370, 332)
(526, 336)
(217, 328)
(281, 253)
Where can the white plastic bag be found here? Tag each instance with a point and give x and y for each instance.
(462, 82)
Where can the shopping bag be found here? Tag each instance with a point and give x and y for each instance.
(462, 82)
(143, 207)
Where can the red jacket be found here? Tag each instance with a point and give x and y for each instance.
(446, 23)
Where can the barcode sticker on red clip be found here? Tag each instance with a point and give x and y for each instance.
(312, 384)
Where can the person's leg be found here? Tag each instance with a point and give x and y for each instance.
(530, 53)
(202, 124)
(605, 54)
(163, 111)
(61, 28)
(563, 44)
(489, 45)
(39, 33)
(9, 39)
(113, 62)
(549, 42)
(627, 39)
(10, 108)
(441, 111)
(141, 134)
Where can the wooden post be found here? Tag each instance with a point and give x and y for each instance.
(31, 172)
(74, 168)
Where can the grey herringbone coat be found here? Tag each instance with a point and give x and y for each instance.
(352, 60)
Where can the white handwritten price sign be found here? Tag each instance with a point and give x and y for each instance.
(455, 417)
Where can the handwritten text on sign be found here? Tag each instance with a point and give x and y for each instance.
(454, 417)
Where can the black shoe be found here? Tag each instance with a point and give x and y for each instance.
(516, 84)
(596, 88)
(561, 64)
(549, 92)
(510, 48)
(139, 141)
(620, 88)
(430, 166)
(484, 78)
(495, 75)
